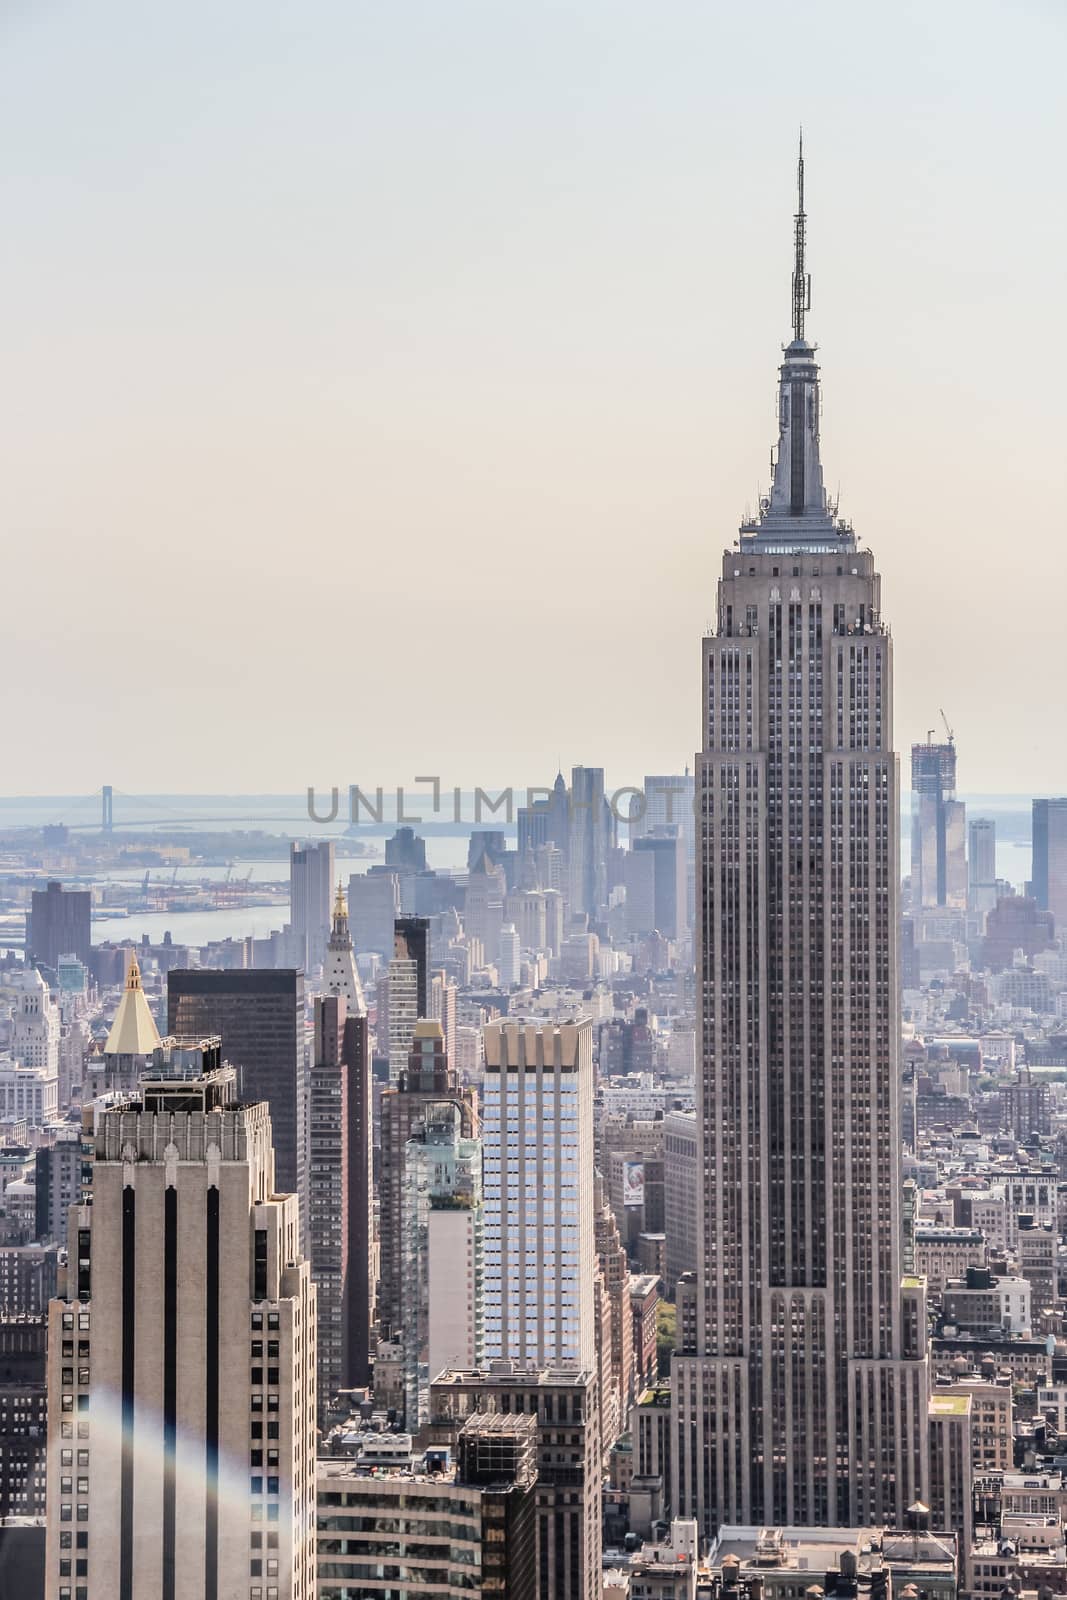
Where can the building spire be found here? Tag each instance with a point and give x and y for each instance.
(801, 278)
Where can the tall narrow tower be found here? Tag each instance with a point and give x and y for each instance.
(801, 1398)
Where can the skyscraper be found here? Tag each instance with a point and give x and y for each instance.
(938, 842)
(260, 1017)
(311, 878)
(59, 924)
(1050, 858)
(982, 864)
(801, 1398)
(181, 1365)
(537, 1144)
(373, 907)
(427, 1078)
(441, 1254)
(340, 1223)
(409, 987)
(591, 834)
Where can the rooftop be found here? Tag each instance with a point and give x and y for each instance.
(948, 1405)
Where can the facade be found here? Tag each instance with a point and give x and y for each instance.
(981, 864)
(509, 964)
(591, 834)
(537, 1141)
(952, 1468)
(942, 1253)
(409, 987)
(27, 1094)
(938, 829)
(339, 1169)
(311, 880)
(681, 1195)
(804, 1401)
(260, 1018)
(656, 874)
(427, 1079)
(181, 1365)
(60, 1181)
(616, 1365)
(337, 1066)
(483, 906)
(340, 978)
(29, 1274)
(441, 1254)
(23, 1415)
(567, 1559)
(980, 1303)
(59, 925)
(454, 1529)
(1050, 857)
(35, 1029)
(373, 907)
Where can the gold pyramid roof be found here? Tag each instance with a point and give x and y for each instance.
(133, 1033)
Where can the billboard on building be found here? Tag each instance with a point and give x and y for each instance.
(633, 1183)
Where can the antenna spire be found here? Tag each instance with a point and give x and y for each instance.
(801, 278)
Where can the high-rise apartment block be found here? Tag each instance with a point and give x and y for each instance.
(804, 1399)
(181, 1363)
(1050, 858)
(311, 882)
(537, 1142)
(59, 925)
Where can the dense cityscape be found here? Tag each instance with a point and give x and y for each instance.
(664, 1199)
(533, 936)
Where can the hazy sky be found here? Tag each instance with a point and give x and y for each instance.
(381, 380)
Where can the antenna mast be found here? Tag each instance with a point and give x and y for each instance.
(801, 279)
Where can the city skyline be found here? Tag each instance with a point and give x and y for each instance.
(545, 298)
(648, 1178)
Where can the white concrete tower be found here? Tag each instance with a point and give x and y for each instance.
(537, 1145)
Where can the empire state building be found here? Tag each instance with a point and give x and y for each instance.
(800, 1389)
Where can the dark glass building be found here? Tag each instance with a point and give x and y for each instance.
(260, 1016)
(59, 924)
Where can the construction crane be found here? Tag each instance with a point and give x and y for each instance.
(948, 728)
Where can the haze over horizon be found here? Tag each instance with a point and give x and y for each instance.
(383, 383)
